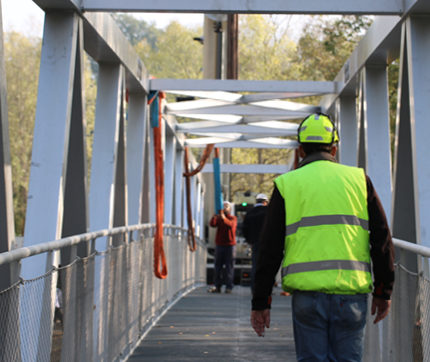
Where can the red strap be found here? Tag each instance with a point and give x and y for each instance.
(159, 255)
(187, 174)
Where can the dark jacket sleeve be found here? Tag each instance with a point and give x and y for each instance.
(381, 245)
(271, 252)
(272, 249)
(245, 229)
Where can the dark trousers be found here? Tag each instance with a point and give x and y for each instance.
(224, 256)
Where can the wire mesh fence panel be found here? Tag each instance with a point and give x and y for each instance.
(402, 316)
(422, 324)
(77, 285)
(9, 322)
(96, 308)
(36, 312)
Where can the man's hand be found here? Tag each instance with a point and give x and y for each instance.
(381, 307)
(260, 319)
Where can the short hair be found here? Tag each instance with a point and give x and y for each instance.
(310, 148)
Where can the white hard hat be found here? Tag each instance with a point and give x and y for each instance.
(262, 197)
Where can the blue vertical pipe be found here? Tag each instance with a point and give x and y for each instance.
(154, 108)
(217, 183)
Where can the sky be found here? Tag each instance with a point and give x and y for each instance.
(26, 17)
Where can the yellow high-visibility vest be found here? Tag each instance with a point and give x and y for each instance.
(327, 238)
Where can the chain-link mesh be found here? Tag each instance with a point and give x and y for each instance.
(404, 336)
(9, 319)
(98, 307)
(26, 312)
(422, 324)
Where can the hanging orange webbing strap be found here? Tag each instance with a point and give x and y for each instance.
(154, 100)
(187, 174)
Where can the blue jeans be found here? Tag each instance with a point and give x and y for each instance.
(329, 327)
(224, 255)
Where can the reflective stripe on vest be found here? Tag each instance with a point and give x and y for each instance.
(326, 265)
(327, 229)
(326, 220)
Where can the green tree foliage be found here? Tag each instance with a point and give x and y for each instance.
(176, 54)
(265, 50)
(90, 95)
(325, 45)
(137, 30)
(265, 53)
(22, 58)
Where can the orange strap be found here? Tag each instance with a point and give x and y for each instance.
(159, 255)
(187, 174)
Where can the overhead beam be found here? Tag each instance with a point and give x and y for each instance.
(230, 85)
(59, 4)
(239, 143)
(259, 169)
(380, 45)
(249, 7)
(105, 42)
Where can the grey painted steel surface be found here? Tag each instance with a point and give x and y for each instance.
(137, 128)
(380, 45)
(169, 169)
(105, 149)
(215, 327)
(418, 58)
(105, 42)
(244, 6)
(348, 131)
(45, 202)
(418, 53)
(178, 216)
(255, 169)
(50, 200)
(377, 132)
(281, 87)
(130, 311)
(242, 142)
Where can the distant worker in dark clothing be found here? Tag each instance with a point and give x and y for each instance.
(326, 224)
(225, 241)
(252, 226)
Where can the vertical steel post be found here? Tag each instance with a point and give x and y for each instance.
(377, 129)
(178, 218)
(348, 131)
(136, 146)
(418, 60)
(169, 170)
(102, 189)
(44, 217)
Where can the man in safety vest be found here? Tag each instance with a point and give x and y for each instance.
(326, 224)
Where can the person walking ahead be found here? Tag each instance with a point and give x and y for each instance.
(225, 241)
(252, 226)
(327, 223)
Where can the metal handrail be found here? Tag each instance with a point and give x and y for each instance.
(25, 252)
(418, 249)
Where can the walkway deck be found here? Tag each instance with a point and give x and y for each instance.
(215, 327)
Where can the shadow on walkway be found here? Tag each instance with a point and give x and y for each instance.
(215, 327)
